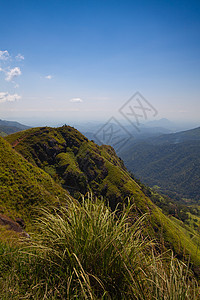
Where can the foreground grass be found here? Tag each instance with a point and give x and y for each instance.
(85, 251)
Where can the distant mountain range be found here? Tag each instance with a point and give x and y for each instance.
(145, 130)
(173, 126)
(161, 123)
(124, 132)
(170, 161)
(8, 127)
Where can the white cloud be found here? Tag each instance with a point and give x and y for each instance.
(6, 97)
(13, 73)
(76, 100)
(19, 57)
(4, 55)
(49, 77)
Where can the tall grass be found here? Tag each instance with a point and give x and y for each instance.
(85, 251)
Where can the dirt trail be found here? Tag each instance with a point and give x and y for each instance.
(18, 141)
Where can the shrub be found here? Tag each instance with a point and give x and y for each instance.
(85, 251)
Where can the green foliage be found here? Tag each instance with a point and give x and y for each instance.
(171, 162)
(76, 163)
(168, 206)
(24, 186)
(88, 252)
(3, 134)
(79, 166)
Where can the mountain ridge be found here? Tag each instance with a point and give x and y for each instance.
(80, 165)
(8, 127)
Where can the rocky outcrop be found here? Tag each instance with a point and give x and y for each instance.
(12, 225)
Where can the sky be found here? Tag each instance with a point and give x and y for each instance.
(73, 61)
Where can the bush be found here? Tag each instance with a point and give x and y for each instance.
(85, 251)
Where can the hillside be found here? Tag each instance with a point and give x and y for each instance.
(178, 137)
(80, 165)
(170, 161)
(2, 133)
(8, 127)
(87, 251)
(23, 187)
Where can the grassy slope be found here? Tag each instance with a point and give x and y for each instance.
(2, 133)
(74, 161)
(98, 254)
(24, 186)
(78, 163)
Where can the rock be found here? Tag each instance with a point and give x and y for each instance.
(12, 225)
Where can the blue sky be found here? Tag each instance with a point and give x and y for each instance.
(69, 61)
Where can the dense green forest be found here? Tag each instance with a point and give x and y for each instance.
(171, 162)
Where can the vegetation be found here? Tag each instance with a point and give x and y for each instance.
(8, 127)
(86, 251)
(168, 205)
(75, 162)
(24, 186)
(80, 165)
(2, 133)
(171, 162)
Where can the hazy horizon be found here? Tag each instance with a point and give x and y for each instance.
(81, 125)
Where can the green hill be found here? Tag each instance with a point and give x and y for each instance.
(2, 133)
(76, 163)
(8, 127)
(170, 161)
(79, 165)
(23, 186)
(178, 137)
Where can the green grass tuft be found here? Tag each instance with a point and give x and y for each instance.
(85, 251)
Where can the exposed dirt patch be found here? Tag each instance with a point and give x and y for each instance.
(12, 225)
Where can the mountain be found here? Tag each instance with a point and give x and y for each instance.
(8, 127)
(165, 123)
(23, 187)
(79, 166)
(173, 126)
(118, 135)
(178, 137)
(171, 161)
